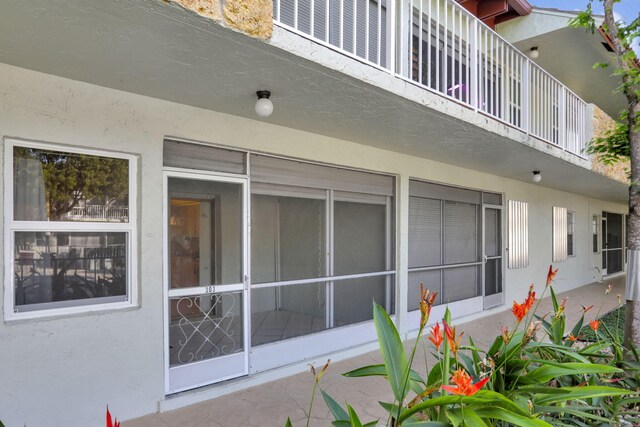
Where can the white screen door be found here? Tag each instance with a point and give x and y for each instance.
(205, 279)
(492, 256)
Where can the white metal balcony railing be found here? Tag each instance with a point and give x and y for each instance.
(98, 212)
(441, 47)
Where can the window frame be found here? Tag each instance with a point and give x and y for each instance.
(12, 226)
(595, 233)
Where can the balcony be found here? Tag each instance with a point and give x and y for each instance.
(439, 46)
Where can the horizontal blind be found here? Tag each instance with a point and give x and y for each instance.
(274, 170)
(196, 156)
(460, 232)
(444, 192)
(425, 232)
(518, 234)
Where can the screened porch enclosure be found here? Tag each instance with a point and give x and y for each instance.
(321, 251)
(318, 252)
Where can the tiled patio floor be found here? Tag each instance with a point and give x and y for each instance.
(270, 404)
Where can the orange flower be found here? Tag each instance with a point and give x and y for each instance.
(110, 422)
(521, 310)
(572, 338)
(595, 324)
(451, 337)
(463, 384)
(436, 336)
(551, 274)
(426, 302)
(531, 298)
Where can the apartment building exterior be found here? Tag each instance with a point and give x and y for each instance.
(163, 244)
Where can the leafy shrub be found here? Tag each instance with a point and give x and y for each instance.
(519, 380)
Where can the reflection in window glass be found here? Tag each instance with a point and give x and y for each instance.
(60, 186)
(53, 267)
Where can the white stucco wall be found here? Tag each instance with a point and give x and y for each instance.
(64, 371)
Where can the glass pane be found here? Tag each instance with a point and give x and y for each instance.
(614, 260)
(359, 238)
(492, 232)
(493, 276)
(56, 267)
(614, 231)
(460, 283)
(287, 239)
(353, 299)
(204, 327)
(205, 233)
(431, 280)
(460, 232)
(59, 186)
(492, 198)
(283, 312)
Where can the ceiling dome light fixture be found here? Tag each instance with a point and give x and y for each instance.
(536, 177)
(534, 53)
(264, 106)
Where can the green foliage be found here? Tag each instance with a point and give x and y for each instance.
(614, 146)
(520, 380)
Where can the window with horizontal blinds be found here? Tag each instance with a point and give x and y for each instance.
(444, 241)
(274, 170)
(187, 155)
(518, 249)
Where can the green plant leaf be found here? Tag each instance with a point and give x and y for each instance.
(353, 417)
(392, 351)
(549, 371)
(508, 416)
(495, 347)
(470, 418)
(576, 329)
(286, 424)
(425, 424)
(576, 411)
(568, 352)
(379, 370)
(585, 392)
(338, 412)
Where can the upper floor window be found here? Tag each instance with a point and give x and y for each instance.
(71, 230)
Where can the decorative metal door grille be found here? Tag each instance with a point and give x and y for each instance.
(205, 327)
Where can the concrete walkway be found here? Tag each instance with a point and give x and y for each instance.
(270, 404)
